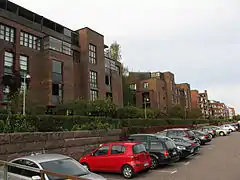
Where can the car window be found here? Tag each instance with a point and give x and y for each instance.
(170, 144)
(137, 138)
(180, 133)
(156, 145)
(102, 151)
(190, 133)
(163, 133)
(64, 166)
(171, 133)
(118, 149)
(138, 148)
(24, 172)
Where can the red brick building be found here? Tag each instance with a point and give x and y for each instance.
(195, 99)
(64, 65)
(187, 99)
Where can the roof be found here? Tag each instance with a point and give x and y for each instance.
(178, 129)
(143, 134)
(44, 157)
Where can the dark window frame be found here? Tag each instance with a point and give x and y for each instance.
(7, 35)
(29, 40)
(93, 79)
(122, 149)
(92, 54)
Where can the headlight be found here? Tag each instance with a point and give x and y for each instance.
(181, 147)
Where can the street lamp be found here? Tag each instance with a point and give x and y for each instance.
(25, 77)
(146, 100)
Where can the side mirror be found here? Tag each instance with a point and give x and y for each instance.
(36, 178)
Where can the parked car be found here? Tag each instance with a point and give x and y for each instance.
(222, 132)
(55, 163)
(185, 148)
(204, 137)
(235, 125)
(228, 127)
(162, 150)
(127, 158)
(209, 130)
(181, 132)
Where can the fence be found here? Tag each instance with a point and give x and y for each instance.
(5, 165)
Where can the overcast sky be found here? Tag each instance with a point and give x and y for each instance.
(198, 40)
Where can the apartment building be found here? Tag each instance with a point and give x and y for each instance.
(231, 112)
(194, 99)
(154, 89)
(64, 64)
(187, 95)
(204, 104)
(218, 109)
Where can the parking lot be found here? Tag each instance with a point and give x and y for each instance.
(218, 160)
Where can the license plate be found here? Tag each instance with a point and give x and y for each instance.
(146, 164)
(174, 153)
(191, 151)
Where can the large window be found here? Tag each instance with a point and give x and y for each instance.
(58, 45)
(8, 63)
(92, 54)
(7, 33)
(57, 79)
(23, 65)
(93, 95)
(93, 79)
(29, 40)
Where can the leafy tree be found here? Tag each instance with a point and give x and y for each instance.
(195, 113)
(177, 111)
(115, 51)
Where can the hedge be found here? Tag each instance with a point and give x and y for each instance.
(44, 123)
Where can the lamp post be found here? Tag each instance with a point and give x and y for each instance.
(145, 106)
(25, 77)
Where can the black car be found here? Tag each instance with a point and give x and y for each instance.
(203, 137)
(185, 148)
(161, 149)
(180, 132)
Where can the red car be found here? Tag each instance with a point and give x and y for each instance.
(127, 158)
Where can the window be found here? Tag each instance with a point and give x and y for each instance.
(138, 148)
(7, 33)
(57, 86)
(23, 65)
(170, 144)
(145, 85)
(93, 79)
(92, 54)
(67, 48)
(57, 71)
(102, 151)
(8, 63)
(55, 44)
(118, 149)
(29, 40)
(156, 145)
(93, 95)
(133, 86)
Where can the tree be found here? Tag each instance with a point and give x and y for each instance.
(195, 113)
(177, 111)
(115, 51)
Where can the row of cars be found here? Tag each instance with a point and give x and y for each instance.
(138, 152)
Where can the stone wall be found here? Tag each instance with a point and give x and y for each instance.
(73, 144)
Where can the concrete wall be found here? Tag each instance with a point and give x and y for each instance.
(73, 144)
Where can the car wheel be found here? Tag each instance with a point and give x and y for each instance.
(86, 166)
(231, 130)
(210, 135)
(154, 163)
(127, 172)
(221, 133)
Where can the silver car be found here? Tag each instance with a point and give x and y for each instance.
(55, 163)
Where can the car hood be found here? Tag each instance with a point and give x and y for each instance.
(93, 176)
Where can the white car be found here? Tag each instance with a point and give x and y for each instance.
(229, 127)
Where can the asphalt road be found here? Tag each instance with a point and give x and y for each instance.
(218, 160)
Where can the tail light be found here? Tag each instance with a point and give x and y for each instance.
(206, 136)
(213, 131)
(193, 144)
(166, 153)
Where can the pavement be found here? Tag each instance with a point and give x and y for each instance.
(218, 160)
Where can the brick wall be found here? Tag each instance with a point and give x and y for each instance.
(73, 144)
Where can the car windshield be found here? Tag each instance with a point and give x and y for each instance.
(200, 133)
(170, 144)
(64, 166)
(139, 148)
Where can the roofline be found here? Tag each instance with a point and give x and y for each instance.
(90, 30)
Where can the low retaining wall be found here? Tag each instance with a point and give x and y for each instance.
(73, 144)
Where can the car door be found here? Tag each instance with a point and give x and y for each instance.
(117, 157)
(98, 161)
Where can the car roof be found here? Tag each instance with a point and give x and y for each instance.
(130, 143)
(175, 129)
(142, 135)
(40, 158)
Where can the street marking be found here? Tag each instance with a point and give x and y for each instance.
(210, 148)
(173, 172)
(186, 163)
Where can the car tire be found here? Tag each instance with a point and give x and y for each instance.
(86, 166)
(127, 172)
(146, 170)
(211, 136)
(221, 133)
(231, 130)
(154, 164)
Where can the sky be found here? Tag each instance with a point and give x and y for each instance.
(197, 40)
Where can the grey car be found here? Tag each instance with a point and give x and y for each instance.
(55, 163)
